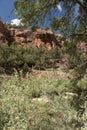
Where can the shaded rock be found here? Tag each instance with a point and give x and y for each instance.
(5, 35)
(82, 46)
(2, 38)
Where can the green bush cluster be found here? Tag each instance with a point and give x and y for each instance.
(16, 57)
(43, 104)
(36, 104)
(40, 104)
(76, 59)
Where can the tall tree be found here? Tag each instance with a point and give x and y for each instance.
(71, 19)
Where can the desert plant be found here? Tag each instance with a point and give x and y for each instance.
(37, 104)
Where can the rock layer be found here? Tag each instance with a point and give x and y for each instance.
(41, 37)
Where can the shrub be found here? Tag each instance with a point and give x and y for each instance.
(36, 104)
(15, 57)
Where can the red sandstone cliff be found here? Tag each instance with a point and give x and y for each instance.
(39, 38)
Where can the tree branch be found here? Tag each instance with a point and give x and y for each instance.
(82, 5)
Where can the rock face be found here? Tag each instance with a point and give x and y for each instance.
(5, 36)
(39, 38)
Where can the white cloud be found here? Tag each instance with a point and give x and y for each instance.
(16, 22)
(59, 7)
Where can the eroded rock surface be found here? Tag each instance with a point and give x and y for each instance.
(39, 38)
(42, 37)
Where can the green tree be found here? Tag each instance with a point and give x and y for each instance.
(72, 20)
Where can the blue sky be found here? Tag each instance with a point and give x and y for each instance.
(6, 7)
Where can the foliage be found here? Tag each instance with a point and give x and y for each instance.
(16, 57)
(76, 57)
(77, 61)
(36, 104)
(17, 97)
(71, 20)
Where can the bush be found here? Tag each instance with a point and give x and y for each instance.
(36, 104)
(15, 57)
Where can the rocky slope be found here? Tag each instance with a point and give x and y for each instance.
(41, 37)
